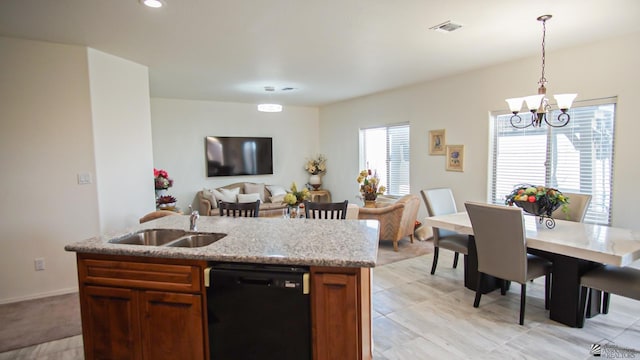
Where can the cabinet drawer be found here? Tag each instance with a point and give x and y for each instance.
(140, 274)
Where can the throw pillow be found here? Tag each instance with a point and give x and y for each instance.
(251, 188)
(278, 199)
(248, 198)
(226, 195)
(276, 190)
(207, 194)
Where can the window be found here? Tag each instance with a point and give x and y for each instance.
(385, 150)
(577, 158)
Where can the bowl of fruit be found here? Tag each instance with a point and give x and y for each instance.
(536, 200)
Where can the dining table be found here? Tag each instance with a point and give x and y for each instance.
(573, 247)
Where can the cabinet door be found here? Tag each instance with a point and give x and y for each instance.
(172, 326)
(335, 316)
(110, 323)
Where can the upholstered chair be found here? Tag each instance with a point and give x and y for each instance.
(397, 220)
(623, 281)
(500, 240)
(316, 210)
(440, 201)
(577, 208)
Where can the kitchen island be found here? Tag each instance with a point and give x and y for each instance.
(150, 302)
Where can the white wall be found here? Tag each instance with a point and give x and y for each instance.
(461, 104)
(180, 126)
(121, 117)
(45, 141)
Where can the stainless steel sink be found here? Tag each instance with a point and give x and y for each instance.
(197, 240)
(153, 237)
(168, 237)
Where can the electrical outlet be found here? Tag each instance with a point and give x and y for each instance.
(39, 264)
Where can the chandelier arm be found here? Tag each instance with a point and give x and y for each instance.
(563, 120)
(516, 121)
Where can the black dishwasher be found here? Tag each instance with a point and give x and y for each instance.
(259, 312)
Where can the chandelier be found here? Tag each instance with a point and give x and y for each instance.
(538, 104)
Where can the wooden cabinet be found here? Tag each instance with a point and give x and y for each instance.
(142, 308)
(341, 313)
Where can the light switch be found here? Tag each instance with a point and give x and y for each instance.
(84, 178)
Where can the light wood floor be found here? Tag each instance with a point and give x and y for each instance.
(420, 316)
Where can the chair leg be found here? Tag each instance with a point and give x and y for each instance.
(584, 292)
(395, 245)
(605, 302)
(411, 238)
(476, 302)
(455, 260)
(523, 296)
(503, 287)
(435, 260)
(547, 291)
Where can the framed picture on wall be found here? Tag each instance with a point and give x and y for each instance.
(436, 142)
(455, 158)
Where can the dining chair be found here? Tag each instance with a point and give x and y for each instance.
(577, 207)
(500, 240)
(440, 201)
(157, 214)
(623, 281)
(317, 210)
(250, 209)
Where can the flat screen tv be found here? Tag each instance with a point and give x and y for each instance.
(234, 156)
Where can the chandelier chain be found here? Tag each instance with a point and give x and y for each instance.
(543, 80)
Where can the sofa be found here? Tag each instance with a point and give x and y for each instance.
(397, 219)
(270, 196)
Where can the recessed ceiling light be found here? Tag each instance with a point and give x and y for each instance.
(446, 27)
(152, 3)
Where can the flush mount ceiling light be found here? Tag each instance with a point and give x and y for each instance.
(539, 104)
(152, 3)
(270, 107)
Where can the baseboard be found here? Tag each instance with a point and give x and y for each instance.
(39, 295)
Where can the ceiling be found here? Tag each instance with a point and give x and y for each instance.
(327, 50)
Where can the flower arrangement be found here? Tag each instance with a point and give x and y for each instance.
(369, 185)
(161, 179)
(295, 196)
(537, 200)
(316, 166)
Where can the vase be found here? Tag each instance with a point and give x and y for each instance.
(161, 192)
(370, 203)
(315, 181)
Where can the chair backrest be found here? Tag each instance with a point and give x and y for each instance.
(499, 234)
(439, 201)
(250, 209)
(316, 210)
(578, 205)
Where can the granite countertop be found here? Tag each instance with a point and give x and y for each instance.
(340, 243)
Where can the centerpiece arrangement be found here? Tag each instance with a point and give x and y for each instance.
(369, 187)
(294, 199)
(538, 200)
(316, 167)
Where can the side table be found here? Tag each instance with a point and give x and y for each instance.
(320, 194)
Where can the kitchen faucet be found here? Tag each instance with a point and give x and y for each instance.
(192, 219)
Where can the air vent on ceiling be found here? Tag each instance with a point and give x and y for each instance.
(446, 27)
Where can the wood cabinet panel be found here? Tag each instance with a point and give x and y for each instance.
(110, 322)
(340, 310)
(173, 326)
